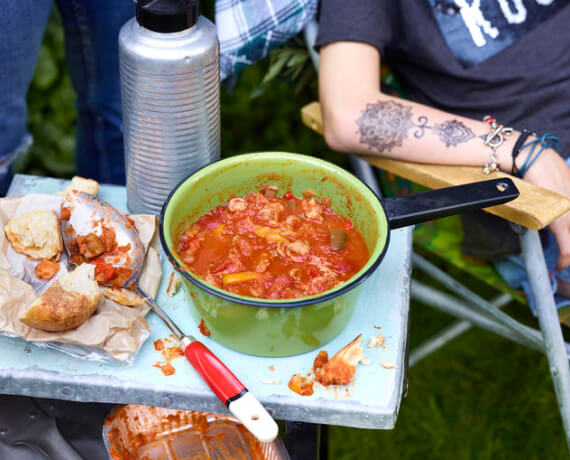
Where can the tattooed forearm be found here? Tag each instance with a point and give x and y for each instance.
(385, 124)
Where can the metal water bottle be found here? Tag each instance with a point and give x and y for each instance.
(170, 92)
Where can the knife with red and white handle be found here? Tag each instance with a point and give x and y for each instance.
(225, 385)
(230, 390)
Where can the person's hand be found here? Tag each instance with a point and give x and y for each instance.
(551, 172)
(561, 231)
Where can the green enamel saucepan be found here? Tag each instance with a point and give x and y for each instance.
(287, 327)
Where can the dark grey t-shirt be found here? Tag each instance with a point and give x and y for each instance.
(510, 59)
(506, 58)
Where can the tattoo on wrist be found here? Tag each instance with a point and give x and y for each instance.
(384, 125)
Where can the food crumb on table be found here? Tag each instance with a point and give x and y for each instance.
(376, 341)
(387, 365)
(301, 385)
(173, 285)
(169, 353)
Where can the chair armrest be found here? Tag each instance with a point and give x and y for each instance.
(535, 208)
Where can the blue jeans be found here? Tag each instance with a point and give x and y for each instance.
(91, 43)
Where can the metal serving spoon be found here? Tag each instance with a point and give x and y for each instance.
(82, 214)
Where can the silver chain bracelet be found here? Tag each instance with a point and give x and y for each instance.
(494, 140)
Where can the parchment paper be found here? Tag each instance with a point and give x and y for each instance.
(117, 330)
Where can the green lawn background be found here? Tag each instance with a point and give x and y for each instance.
(480, 397)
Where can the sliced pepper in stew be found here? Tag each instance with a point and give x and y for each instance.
(274, 247)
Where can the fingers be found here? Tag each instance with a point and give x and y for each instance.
(563, 261)
(561, 230)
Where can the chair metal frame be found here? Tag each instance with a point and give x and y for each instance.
(471, 309)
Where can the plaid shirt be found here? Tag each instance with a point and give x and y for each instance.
(249, 29)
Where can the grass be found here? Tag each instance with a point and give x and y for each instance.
(480, 397)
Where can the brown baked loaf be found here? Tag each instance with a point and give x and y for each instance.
(67, 303)
(35, 234)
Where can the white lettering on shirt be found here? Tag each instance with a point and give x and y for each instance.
(544, 2)
(476, 22)
(513, 17)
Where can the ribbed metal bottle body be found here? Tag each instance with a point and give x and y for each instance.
(170, 94)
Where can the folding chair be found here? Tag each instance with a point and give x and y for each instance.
(533, 210)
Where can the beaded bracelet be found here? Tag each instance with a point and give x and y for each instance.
(494, 140)
(546, 141)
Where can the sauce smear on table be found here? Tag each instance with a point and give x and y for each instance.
(168, 353)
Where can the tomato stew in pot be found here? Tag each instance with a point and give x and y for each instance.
(273, 247)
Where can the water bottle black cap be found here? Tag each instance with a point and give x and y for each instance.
(167, 15)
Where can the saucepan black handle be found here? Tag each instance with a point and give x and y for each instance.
(421, 207)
